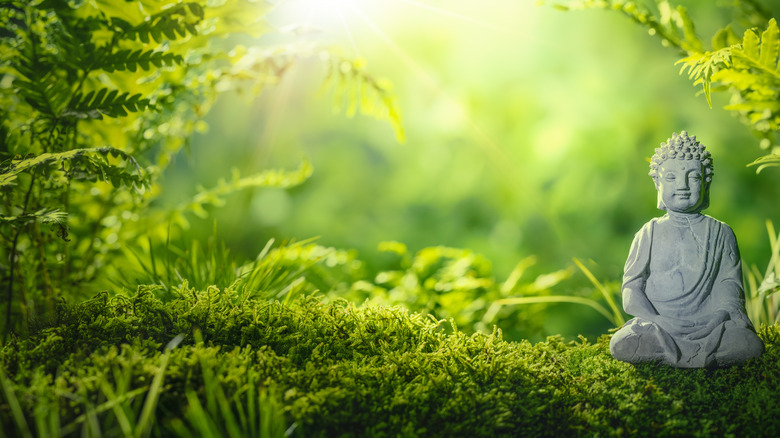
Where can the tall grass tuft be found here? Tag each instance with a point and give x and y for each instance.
(763, 304)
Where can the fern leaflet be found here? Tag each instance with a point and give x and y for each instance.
(105, 101)
(132, 60)
(268, 178)
(760, 53)
(43, 215)
(80, 163)
(359, 90)
(172, 23)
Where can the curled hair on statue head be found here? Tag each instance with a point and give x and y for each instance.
(683, 147)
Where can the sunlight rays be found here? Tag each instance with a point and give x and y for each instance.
(348, 32)
(343, 17)
(458, 16)
(481, 137)
(482, 23)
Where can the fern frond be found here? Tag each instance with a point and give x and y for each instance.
(725, 38)
(173, 23)
(133, 60)
(43, 216)
(268, 178)
(37, 79)
(360, 91)
(760, 53)
(702, 66)
(81, 164)
(770, 44)
(46, 94)
(691, 43)
(667, 26)
(105, 101)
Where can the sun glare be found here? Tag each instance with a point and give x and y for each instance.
(353, 21)
(325, 13)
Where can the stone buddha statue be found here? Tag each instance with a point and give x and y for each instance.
(683, 277)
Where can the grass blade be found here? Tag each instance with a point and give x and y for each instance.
(145, 421)
(13, 403)
(617, 315)
(559, 299)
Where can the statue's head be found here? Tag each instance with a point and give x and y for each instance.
(682, 172)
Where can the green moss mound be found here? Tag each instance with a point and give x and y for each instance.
(246, 367)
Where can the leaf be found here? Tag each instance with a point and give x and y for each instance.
(750, 43)
(771, 160)
(172, 23)
(359, 90)
(770, 43)
(240, 16)
(689, 30)
(91, 165)
(105, 101)
(44, 91)
(741, 79)
(702, 67)
(770, 284)
(268, 178)
(43, 215)
(755, 106)
(724, 38)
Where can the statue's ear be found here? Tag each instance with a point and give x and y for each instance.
(660, 203)
(706, 200)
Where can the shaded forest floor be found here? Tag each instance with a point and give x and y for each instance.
(211, 363)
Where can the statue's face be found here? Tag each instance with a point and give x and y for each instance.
(681, 184)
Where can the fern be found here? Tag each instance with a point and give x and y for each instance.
(172, 23)
(360, 91)
(746, 67)
(133, 60)
(77, 65)
(93, 160)
(215, 196)
(43, 215)
(702, 66)
(105, 101)
(40, 85)
(673, 25)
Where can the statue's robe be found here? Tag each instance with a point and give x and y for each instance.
(683, 284)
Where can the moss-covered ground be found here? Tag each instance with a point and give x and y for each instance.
(240, 366)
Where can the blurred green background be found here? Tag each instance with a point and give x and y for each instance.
(528, 133)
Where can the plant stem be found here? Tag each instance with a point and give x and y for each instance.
(47, 285)
(12, 273)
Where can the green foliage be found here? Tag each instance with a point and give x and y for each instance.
(746, 67)
(609, 293)
(215, 196)
(68, 65)
(79, 164)
(110, 103)
(355, 88)
(278, 272)
(96, 98)
(458, 285)
(315, 369)
(749, 69)
(673, 25)
(763, 304)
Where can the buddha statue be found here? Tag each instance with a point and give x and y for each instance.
(683, 277)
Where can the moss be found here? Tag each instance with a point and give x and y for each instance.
(339, 370)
